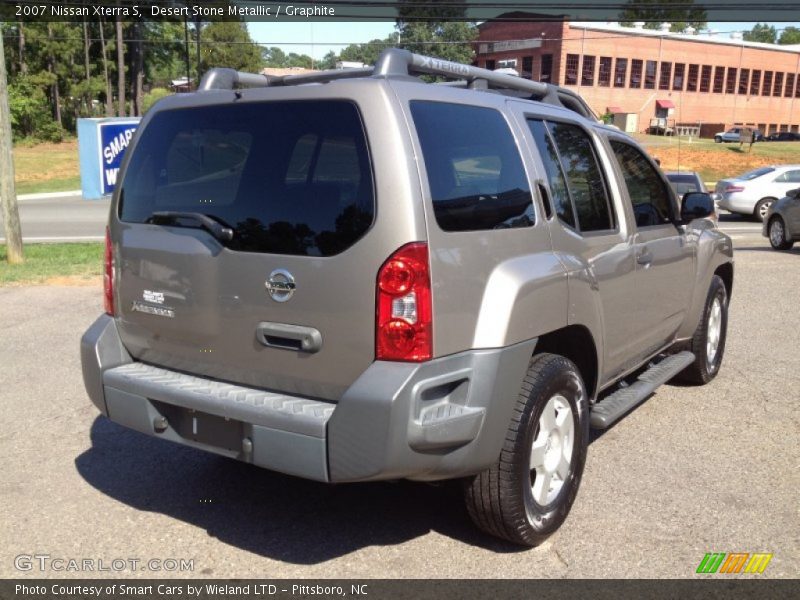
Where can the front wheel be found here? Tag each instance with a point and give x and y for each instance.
(717, 139)
(708, 342)
(777, 235)
(527, 494)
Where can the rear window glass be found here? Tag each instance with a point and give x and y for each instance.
(288, 177)
(756, 173)
(474, 169)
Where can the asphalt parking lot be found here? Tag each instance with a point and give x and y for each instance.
(692, 470)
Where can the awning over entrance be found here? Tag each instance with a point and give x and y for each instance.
(664, 104)
(614, 109)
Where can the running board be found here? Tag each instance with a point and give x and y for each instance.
(611, 408)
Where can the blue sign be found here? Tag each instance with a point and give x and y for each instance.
(114, 139)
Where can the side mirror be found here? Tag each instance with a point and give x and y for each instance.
(696, 205)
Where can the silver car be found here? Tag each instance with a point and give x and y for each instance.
(380, 278)
(782, 225)
(755, 191)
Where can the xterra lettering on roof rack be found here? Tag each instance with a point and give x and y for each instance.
(394, 62)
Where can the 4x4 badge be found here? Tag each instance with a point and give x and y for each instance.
(280, 285)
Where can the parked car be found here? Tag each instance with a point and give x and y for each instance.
(755, 191)
(369, 278)
(783, 136)
(686, 182)
(734, 135)
(782, 225)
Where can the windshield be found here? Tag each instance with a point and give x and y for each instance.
(756, 173)
(287, 177)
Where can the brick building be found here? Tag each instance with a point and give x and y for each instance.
(661, 77)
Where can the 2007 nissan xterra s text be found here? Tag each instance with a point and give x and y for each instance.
(356, 275)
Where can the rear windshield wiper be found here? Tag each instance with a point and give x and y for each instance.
(214, 227)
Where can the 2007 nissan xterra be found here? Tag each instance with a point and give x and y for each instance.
(356, 275)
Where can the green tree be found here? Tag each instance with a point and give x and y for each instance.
(680, 14)
(761, 33)
(450, 40)
(790, 35)
(228, 44)
(328, 61)
(367, 53)
(273, 57)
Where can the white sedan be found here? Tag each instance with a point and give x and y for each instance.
(755, 191)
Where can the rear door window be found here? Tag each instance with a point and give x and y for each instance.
(288, 177)
(584, 176)
(475, 172)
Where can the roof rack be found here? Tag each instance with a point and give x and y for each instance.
(395, 63)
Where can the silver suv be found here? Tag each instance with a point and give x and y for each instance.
(357, 275)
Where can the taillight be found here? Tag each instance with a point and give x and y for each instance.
(108, 276)
(733, 188)
(404, 323)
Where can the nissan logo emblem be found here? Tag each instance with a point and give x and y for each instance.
(280, 285)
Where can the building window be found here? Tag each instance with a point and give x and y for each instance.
(490, 65)
(744, 75)
(767, 87)
(677, 78)
(730, 81)
(789, 85)
(620, 71)
(755, 83)
(636, 73)
(666, 72)
(719, 79)
(705, 79)
(604, 75)
(650, 75)
(778, 87)
(691, 80)
(571, 74)
(527, 67)
(797, 89)
(547, 68)
(587, 74)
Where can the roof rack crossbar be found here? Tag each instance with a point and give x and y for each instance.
(394, 62)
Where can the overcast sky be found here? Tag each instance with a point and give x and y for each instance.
(317, 39)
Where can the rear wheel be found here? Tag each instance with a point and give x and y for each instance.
(762, 208)
(708, 342)
(777, 234)
(528, 493)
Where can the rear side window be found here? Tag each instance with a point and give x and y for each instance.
(584, 177)
(555, 175)
(475, 173)
(652, 203)
(288, 177)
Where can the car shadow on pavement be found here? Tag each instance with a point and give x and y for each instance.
(770, 249)
(274, 515)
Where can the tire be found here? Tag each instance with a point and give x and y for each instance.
(717, 139)
(776, 231)
(762, 208)
(509, 500)
(708, 355)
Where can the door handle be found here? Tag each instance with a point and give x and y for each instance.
(644, 258)
(289, 337)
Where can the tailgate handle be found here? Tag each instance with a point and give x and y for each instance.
(289, 337)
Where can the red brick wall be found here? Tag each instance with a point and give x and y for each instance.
(774, 112)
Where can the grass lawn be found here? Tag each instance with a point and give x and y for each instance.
(47, 167)
(716, 161)
(54, 263)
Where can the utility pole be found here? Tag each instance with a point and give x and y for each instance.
(8, 195)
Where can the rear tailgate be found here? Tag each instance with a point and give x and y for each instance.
(293, 179)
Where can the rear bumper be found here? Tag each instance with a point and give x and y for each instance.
(436, 420)
(735, 203)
